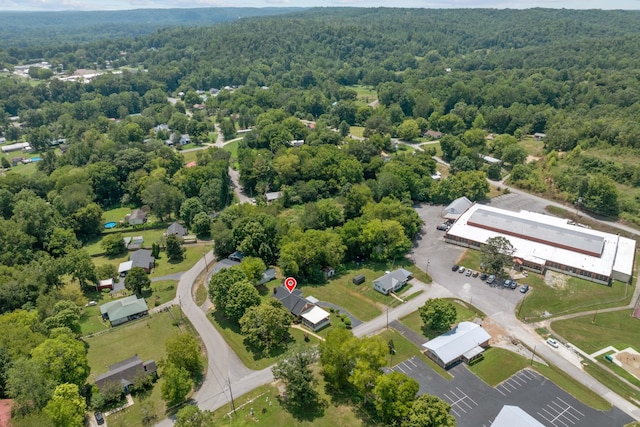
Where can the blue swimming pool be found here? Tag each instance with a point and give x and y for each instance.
(110, 224)
(35, 159)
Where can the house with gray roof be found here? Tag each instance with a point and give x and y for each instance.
(136, 217)
(126, 372)
(457, 208)
(465, 342)
(273, 196)
(304, 309)
(224, 263)
(177, 229)
(142, 258)
(392, 281)
(123, 310)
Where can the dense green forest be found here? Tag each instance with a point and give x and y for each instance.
(360, 87)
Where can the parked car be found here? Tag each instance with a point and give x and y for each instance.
(524, 288)
(475, 274)
(442, 227)
(455, 267)
(468, 273)
(514, 284)
(483, 276)
(99, 418)
(553, 343)
(461, 269)
(507, 283)
(491, 279)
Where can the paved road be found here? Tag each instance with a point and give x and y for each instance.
(224, 368)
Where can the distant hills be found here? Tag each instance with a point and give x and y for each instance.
(20, 29)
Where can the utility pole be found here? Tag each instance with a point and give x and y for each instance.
(533, 355)
(233, 403)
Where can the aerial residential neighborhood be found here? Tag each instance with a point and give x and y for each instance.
(345, 216)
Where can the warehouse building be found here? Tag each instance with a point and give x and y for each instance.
(544, 242)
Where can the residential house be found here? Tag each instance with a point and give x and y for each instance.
(273, 196)
(267, 276)
(305, 310)
(392, 281)
(123, 310)
(105, 284)
(465, 342)
(236, 256)
(224, 263)
(538, 136)
(162, 127)
(126, 372)
(489, 159)
(177, 229)
(142, 258)
(296, 143)
(136, 217)
(184, 139)
(456, 208)
(15, 147)
(433, 134)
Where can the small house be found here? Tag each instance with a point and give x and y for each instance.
(236, 256)
(490, 160)
(177, 229)
(184, 139)
(126, 372)
(465, 342)
(392, 281)
(124, 310)
(136, 217)
(142, 258)
(273, 196)
(224, 263)
(538, 136)
(305, 310)
(358, 280)
(105, 284)
(135, 242)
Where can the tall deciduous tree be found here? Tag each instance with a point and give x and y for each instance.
(137, 280)
(177, 384)
(369, 359)
(337, 357)
(63, 359)
(265, 326)
(253, 268)
(66, 407)
(294, 370)
(29, 385)
(394, 394)
(113, 244)
(495, 254)
(175, 251)
(429, 411)
(241, 296)
(438, 314)
(183, 351)
(163, 199)
(221, 282)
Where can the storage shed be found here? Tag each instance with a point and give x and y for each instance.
(358, 280)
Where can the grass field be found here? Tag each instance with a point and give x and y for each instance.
(497, 365)
(357, 131)
(464, 312)
(252, 358)
(610, 381)
(360, 300)
(572, 296)
(366, 94)
(232, 147)
(532, 147)
(617, 328)
(150, 237)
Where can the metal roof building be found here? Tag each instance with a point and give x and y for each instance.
(464, 342)
(545, 242)
(457, 208)
(510, 416)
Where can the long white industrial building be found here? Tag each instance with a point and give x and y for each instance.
(544, 242)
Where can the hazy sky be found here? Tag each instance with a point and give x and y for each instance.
(47, 5)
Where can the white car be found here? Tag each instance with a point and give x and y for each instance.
(553, 343)
(461, 269)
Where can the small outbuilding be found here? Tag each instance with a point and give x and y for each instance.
(177, 229)
(328, 272)
(273, 196)
(136, 217)
(105, 284)
(358, 280)
(456, 208)
(123, 310)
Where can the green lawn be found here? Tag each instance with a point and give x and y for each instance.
(575, 295)
(532, 147)
(357, 131)
(160, 292)
(332, 414)
(251, 357)
(464, 311)
(192, 255)
(232, 147)
(144, 337)
(617, 328)
(497, 365)
(132, 416)
(116, 214)
(366, 94)
(150, 237)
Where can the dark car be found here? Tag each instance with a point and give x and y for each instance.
(524, 289)
(442, 227)
(99, 417)
(483, 276)
(455, 267)
(475, 274)
(514, 284)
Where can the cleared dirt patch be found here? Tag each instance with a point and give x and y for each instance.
(630, 361)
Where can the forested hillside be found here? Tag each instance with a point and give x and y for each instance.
(341, 113)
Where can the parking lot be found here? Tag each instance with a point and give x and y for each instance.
(474, 403)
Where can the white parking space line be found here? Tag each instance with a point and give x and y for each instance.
(499, 391)
(560, 414)
(398, 366)
(580, 413)
(412, 362)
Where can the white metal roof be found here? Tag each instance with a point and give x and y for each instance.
(125, 266)
(458, 341)
(511, 416)
(315, 315)
(540, 252)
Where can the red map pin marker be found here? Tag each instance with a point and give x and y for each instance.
(290, 283)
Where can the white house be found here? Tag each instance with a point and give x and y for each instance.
(392, 281)
(465, 342)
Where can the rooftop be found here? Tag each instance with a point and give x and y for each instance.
(462, 339)
(511, 416)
